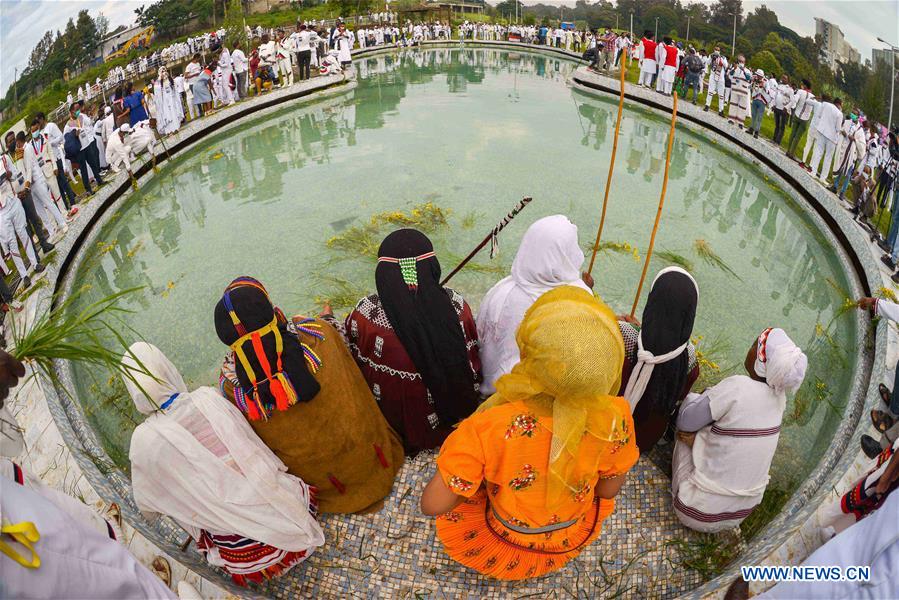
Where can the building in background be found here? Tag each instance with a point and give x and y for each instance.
(834, 47)
(460, 7)
(879, 55)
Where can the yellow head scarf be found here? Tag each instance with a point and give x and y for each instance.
(571, 359)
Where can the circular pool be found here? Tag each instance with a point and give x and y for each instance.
(449, 139)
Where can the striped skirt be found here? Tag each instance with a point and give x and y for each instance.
(246, 559)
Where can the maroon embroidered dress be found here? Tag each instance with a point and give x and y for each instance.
(392, 377)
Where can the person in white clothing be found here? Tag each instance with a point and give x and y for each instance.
(343, 43)
(142, 138)
(226, 66)
(717, 70)
(239, 64)
(118, 150)
(283, 51)
(801, 107)
(13, 229)
(549, 256)
(54, 136)
(36, 155)
(647, 56)
(812, 128)
(740, 78)
(192, 447)
(853, 150)
(826, 133)
(727, 436)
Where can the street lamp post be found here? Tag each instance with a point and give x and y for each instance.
(657, 28)
(688, 28)
(892, 79)
(632, 25)
(733, 43)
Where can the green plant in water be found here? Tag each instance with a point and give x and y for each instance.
(675, 259)
(339, 293)
(707, 554)
(471, 219)
(363, 240)
(617, 248)
(709, 355)
(425, 217)
(704, 251)
(90, 336)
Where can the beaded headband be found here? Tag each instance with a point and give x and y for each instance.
(408, 267)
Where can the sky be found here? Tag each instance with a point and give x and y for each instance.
(23, 22)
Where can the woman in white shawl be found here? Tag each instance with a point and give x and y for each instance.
(169, 112)
(549, 256)
(196, 459)
(728, 435)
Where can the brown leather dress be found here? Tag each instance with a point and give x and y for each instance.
(339, 441)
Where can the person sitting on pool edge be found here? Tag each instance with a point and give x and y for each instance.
(416, 344)
(304, 397)
(524, 484)
(728, 436)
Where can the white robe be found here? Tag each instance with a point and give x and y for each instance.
(549, 256)
(169, 112)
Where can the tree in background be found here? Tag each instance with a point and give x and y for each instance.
(765, 61)
(234, 27)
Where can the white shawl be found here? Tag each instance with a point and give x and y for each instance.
(228, 483)
(646, 361)
(549, 256)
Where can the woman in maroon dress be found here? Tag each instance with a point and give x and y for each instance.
(416, 344)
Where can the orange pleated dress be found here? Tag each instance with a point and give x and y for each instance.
(498, 460)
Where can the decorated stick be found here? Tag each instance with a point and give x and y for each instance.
(605, 200)
(491, 237)
(655, 227)
(159, 137)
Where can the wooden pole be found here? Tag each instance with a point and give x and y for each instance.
(605, 200)
(655, 227)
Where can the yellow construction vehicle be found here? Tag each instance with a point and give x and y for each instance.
(143, 38)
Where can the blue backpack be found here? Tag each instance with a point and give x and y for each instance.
(71, 145)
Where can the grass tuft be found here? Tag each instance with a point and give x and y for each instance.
(675, 259)
(705, 252)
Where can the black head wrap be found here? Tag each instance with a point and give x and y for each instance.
(668, 323)
(425, 321)
(250, 303)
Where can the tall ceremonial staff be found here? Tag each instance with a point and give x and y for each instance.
(491, 237)
(655, 227)
(605, 200)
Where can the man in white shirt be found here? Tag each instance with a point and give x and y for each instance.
(801, 107)
(37, 154)
(83, 126)
(13, 230)
(118, 150)
(717, 69)
(853, 134)
(813, 126)
(782, 100)
(224, 64)
(191, 72)
(826, 133)
(53, 135)
(303, 45)
(240, 64)
(283, 51)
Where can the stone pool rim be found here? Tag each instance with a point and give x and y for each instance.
(863, 273)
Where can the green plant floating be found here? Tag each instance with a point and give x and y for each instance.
(90, 336)
(705, 252)
(471, 219)
(361, 240)
(616, 248)
(339, 293)
(675, 259)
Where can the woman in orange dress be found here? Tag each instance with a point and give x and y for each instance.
(523, 485)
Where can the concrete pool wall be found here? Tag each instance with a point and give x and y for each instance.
(783, 537)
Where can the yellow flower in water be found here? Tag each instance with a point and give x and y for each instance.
(171, 285)
(217, 155)
(887, 294)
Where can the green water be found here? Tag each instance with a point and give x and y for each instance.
(472, 132)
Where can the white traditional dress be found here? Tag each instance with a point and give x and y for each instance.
(740, 78)
(169, 112)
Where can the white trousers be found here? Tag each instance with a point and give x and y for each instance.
(286, 71)
(809, 144)
(716, 86)
(13, 231)
(645, 78)
(46, 207)
(826, 147)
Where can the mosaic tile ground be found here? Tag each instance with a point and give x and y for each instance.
(395, 553)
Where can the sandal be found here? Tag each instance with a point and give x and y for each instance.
(162, 569)
(881, 420)
(885, 394)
